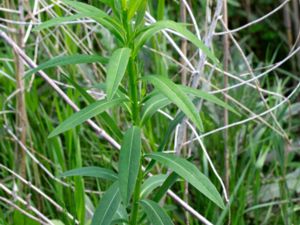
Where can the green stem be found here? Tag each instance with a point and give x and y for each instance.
(134, 96)
(136, 198)
(133, 85)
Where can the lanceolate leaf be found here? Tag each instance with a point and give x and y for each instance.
(100, 16)
(85, 114)
(155, 213)
(177, 96)
(180, 28)
(97, 172)
(121, 216)
(58, 21)
(152, 105)
(116, 70)
(67, 60)
(191, 174)
(151, 183)
(207, 96)
(129, 162)
(104, 117)
(86, 8)
(108, 206)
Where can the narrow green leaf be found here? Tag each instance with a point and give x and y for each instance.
(151, 183)
(207, 96)
(191, 174)
(172, 125)
(110, 3)
(177, 96)
(57, 222)
(168, 183)
(108, 206)
(104, 117)
(100, 16)
(86, 8)
(180, 28)
(85, 114)
(67, 60)
(129, 162)
(121, 93)
(134, 5)
(116, 70)
(92, 171)
(121, 216)
(155, 213)
(152, 105)
(57, 21)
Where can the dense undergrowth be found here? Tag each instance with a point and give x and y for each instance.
(130, 63)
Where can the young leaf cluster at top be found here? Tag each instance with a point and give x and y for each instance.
(127, 200)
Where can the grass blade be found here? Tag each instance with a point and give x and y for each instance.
(168, 183)
(191, 174)
(129, 162)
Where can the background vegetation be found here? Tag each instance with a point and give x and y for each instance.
(256, 153)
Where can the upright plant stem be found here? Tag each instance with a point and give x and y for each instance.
(133, 85)
(135, 119)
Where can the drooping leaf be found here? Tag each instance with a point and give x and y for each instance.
(152, 105)
(151, 183)
(86, 8)
(177, 96)
(92, 171)
(100, 16)
(155, 214)
(67, 60)
(191, 174)
(129, 162)
(207, 96)
(85, 114)
(108, 206)
(116, 70)
(144, 35)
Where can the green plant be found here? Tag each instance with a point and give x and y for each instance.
(126, 87)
